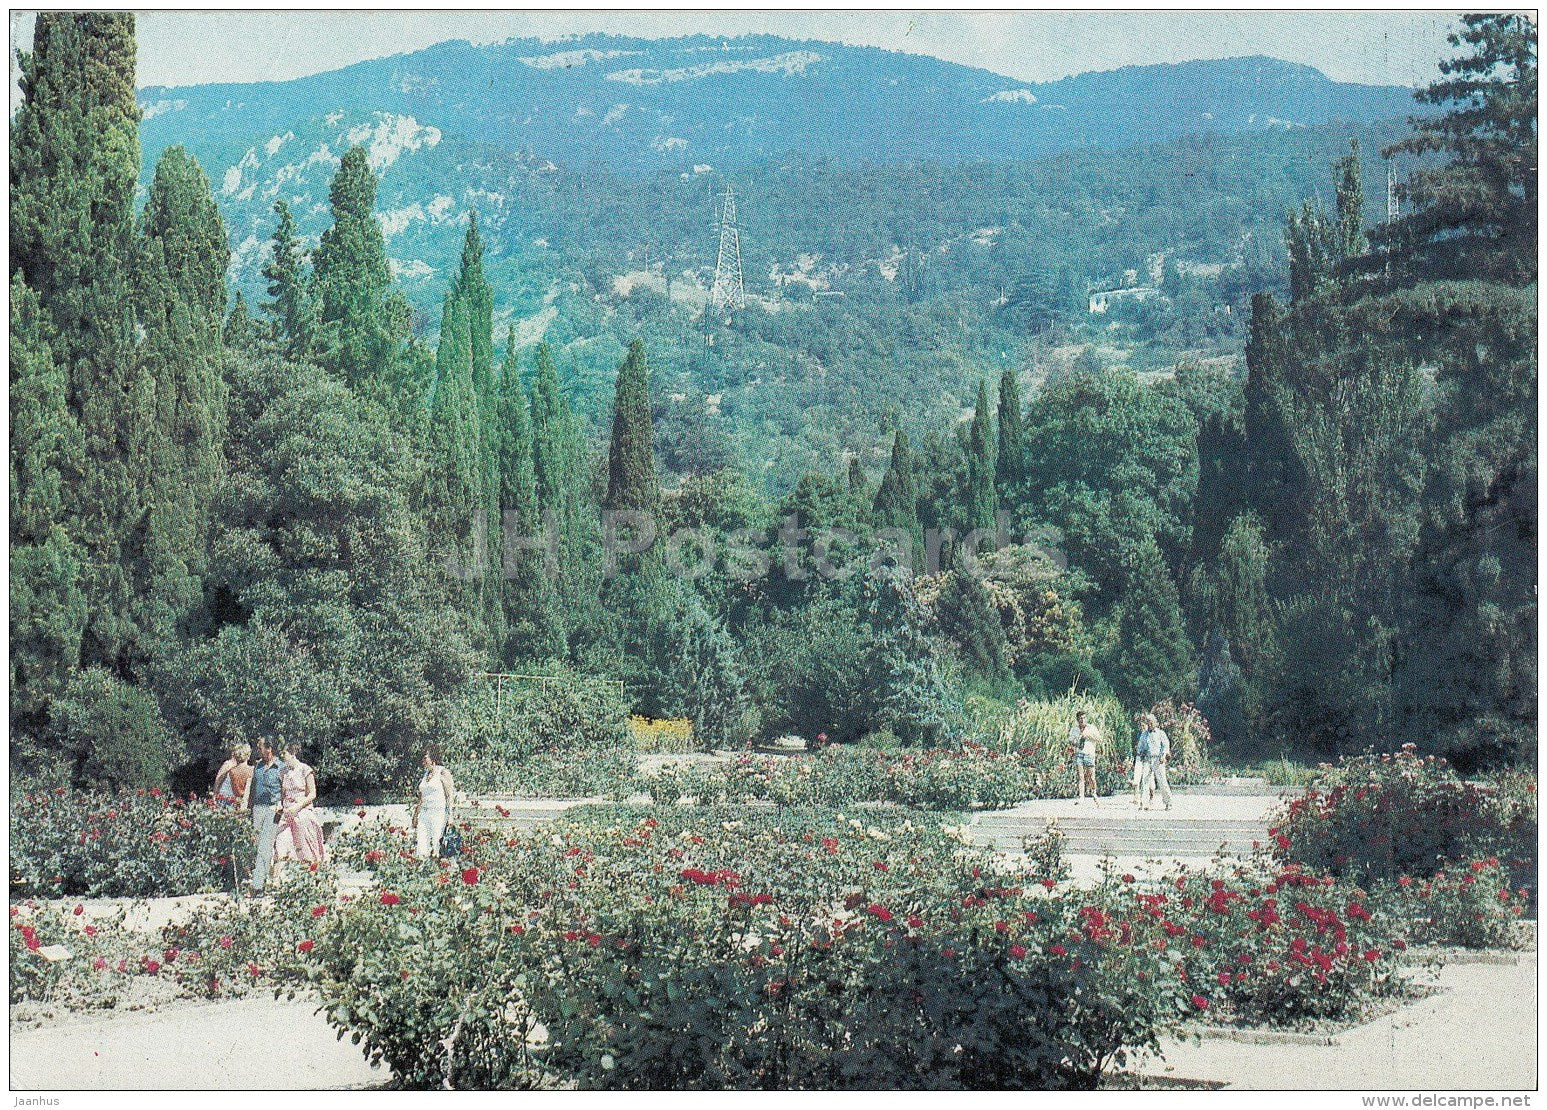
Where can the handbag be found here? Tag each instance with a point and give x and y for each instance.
(450, 842)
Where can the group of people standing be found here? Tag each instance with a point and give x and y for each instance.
(1151, 753)
(280, 791)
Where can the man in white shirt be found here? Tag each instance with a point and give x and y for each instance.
(1155, 746)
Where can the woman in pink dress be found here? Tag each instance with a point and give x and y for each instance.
(300, 832)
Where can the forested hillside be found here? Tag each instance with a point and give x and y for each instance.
(956, 232)
(290, 509)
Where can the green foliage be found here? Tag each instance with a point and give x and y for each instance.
(292, 303)
(328, 625)
(556, 714)
(968, 618)
(113, 733)
(1010, 464)
(362, 321)
(1152, 658)
(1474, 208)
(47, 607)
(1113, 460)
(130, 843)
(981, 501)
(631, 479)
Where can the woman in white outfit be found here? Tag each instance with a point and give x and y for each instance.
(433, 809)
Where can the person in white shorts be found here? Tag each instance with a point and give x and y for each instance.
(1156, 746)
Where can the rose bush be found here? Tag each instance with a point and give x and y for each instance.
(712, 948)
(134, 843)
(1470, 906)
(1264, 943)
(1379, 817)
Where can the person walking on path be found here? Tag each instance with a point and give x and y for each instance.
(1156, 746)
(1084, 737)
(300, 831)
(262, 798)
(232, 778)
(1141, 764)
(432, 812)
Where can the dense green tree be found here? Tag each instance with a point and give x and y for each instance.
(970, 621)
(456, 500)
(292, 303)
(74, 162)
(1010, 476)
(981, 501)
(329, 621)
(241, 330)
(631, 478)
(1115, 460)
(896, 504)
(1152, 657)
(1467, 675)
(48, 609)
(1474, 207)
(702, 677)
(532, 626)
(180, 215)
(362, 319)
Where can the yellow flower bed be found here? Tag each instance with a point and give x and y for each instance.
(667, 734)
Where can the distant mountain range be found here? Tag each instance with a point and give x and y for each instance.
(594, 164)
(641, 105)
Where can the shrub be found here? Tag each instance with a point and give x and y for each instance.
(557, 734)
(135, 843)
(671, 734)
(671, 949)
(1268, 944)
(1375, 817)
(114, 732)
(97, 946)
(1471, 906)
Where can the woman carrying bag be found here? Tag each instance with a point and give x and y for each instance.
(432, 812)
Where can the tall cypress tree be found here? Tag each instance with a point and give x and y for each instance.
(1010, 475)
(896, 504)
(241, 330)
(631, 479)
(292, 302)
(182, 296)
(969, 619)
(455, 499)
(363, 320)
(533, 630)
(982, 503)
(74, 161)
(48, 609)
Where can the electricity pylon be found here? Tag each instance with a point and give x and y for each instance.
(728, 291)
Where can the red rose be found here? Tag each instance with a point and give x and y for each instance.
(1199, 1002)
(78, 910)
(151, 965)
(226, 942)
(1001, 926)
(171, 955)
(306, 946)
(389, 899)
(1059, 950)
(100, 963)
(318, 911)
(875, 909)
(1017, 952)
(470, 876)
(1372, 955)
(1224, 978)
(1128, 879)
(90, 930)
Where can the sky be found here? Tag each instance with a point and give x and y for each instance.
(187, 47)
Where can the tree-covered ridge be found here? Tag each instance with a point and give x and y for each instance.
(311, 521)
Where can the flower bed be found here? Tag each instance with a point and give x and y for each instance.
(1383, 817)
(930, 780)
(136, 843)
(707, 948)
